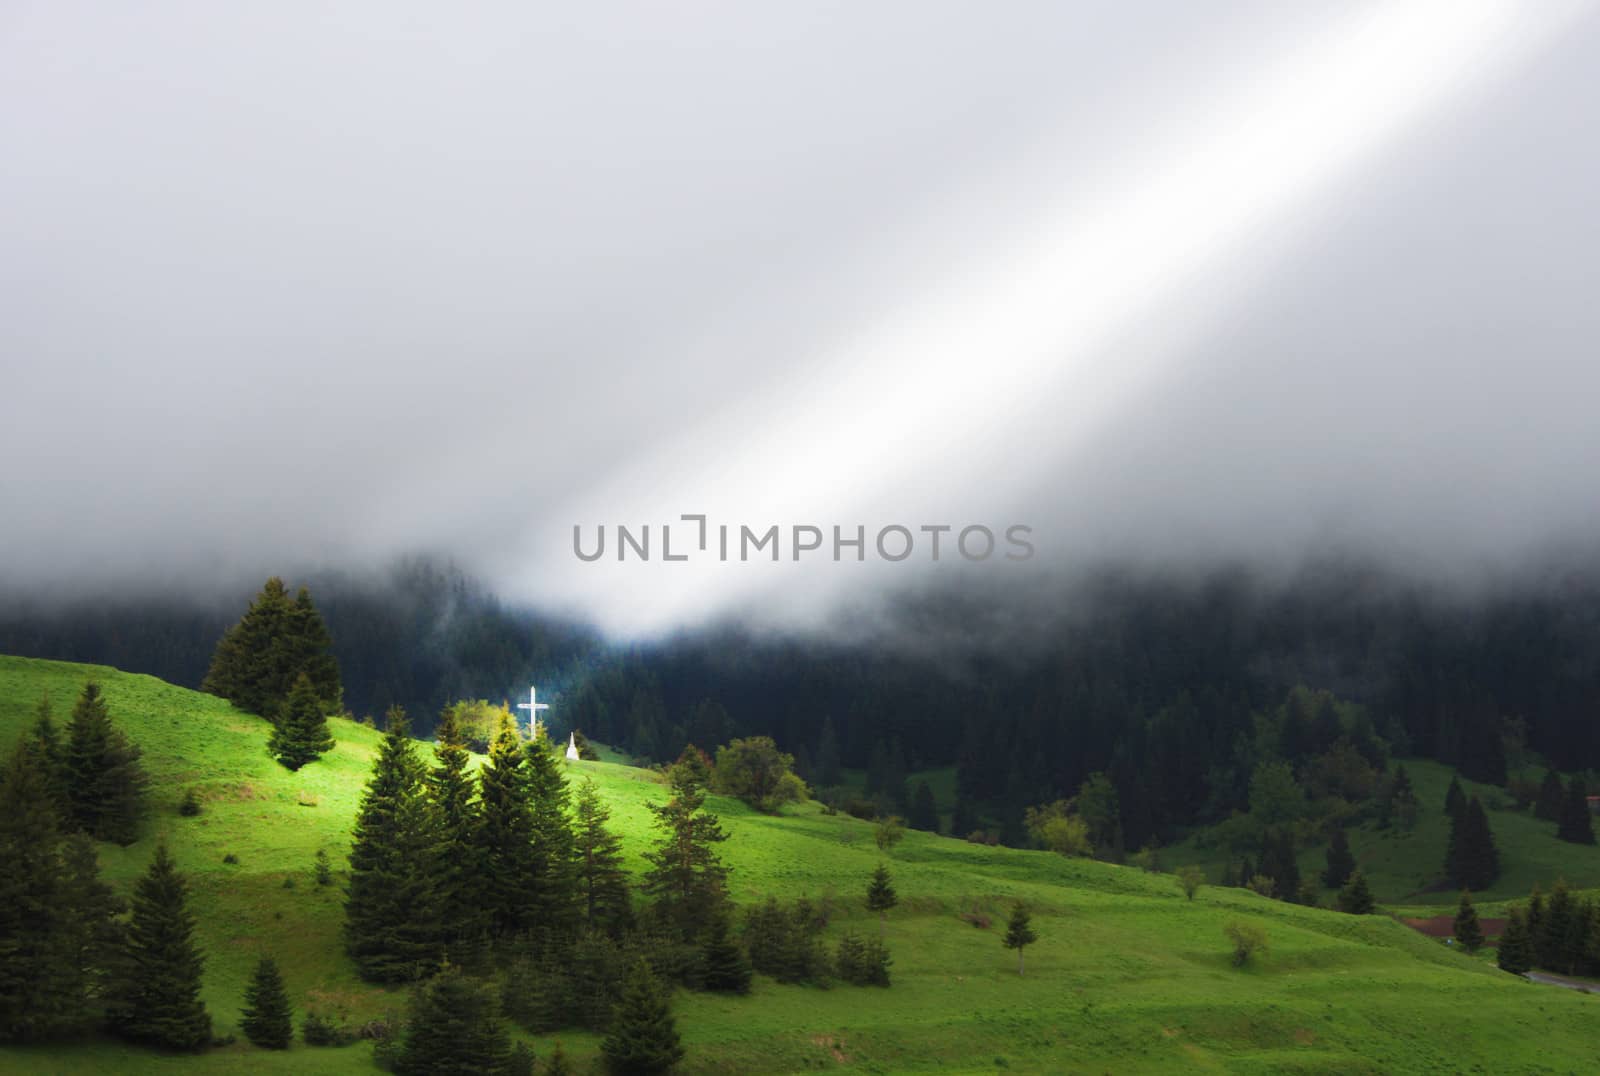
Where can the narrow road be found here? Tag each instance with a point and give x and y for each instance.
(1557, 980)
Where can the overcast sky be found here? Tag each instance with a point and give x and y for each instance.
(296, 283)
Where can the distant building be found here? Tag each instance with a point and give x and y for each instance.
(1594, 804)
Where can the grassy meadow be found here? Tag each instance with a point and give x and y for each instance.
(1127, 976)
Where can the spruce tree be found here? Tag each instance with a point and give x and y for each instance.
(1536, 918)
(505, 835)
(300, 733)
(1340, 861)
(643, 1037)
(53, 758)
(90, 908)
(923, 813)
(1552, 797)
(1278, 862)
(38, 997)
(557, 1064)
(881, 896)
(1515, 953)
(1575, 824)
(393, 930)
(723, 964)
(602, 884)
(266, 1019)
(454, 1029)
(154, 993)
(1019, 932)
(1472, 861)
(1400, 805)
(1454, 799)
(1468, 933)
(458, 874)
(257, 660)
(553, 893)
(686, 877)
(964, 820)
(1557, 927)
(106, 782)
(1356, 898)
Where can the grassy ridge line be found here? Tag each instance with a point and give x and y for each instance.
(1127, 975)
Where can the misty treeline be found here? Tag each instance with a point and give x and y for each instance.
(418, 635)
(1157, 682)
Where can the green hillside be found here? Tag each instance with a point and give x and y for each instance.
(1404, 869)
(1127, 975)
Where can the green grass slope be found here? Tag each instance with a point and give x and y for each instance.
(1405, 869)
(1127, 975)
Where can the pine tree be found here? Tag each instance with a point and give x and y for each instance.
(881, 896)
(458, 875)
(965, 818)
(1340, 861)
(1515, 953)
(53, 758)
(38, 997)
(93, 934)
(393, 930)
(1356, 898)
(266, 1019)
(1454, 799)
(686, 877)
(300, 733)
(1019, 932)
(1576, 825)
(1536, 918)
(1553, 946)
(154, 993)
(1552, 797)
(554, 886)
(1468, 933)
(257, 660)
(723, 964)
(557, 1064)
(1472, 861)
(643, 1037)
(454, 1029)
(923, 813)
(602, 884)
(105, 781)
(1278, 862)
(505, 836)
(1400, 805)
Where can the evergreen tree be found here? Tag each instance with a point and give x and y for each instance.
(105, 781)
(923, 814)
(458, 873)
(1019, 932)
(1515, 953)
(454, 1029)
(1558, 928)
(257, 660)
(723, 964)
(300, 733)
(1468, 933)
(686, 877)
(1576, 825)
(1399, 805)
(557, 1064)
(965, 818)
(862, 961)
(266, 1019)
(505, 837)
(53, 759)
(1356, 898)
(1454, 799)
(880, 895)
(553, 892)
(90, 909)
(393, 930)
(154, 993)
(602, 884)
(1278, 862)
(1536, 918)
(1472, 861)
(643, 1037)
(1340, 861)
(38, 997)
(1552, 797)
(828, 765)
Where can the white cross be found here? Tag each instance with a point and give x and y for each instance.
(533, 706)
